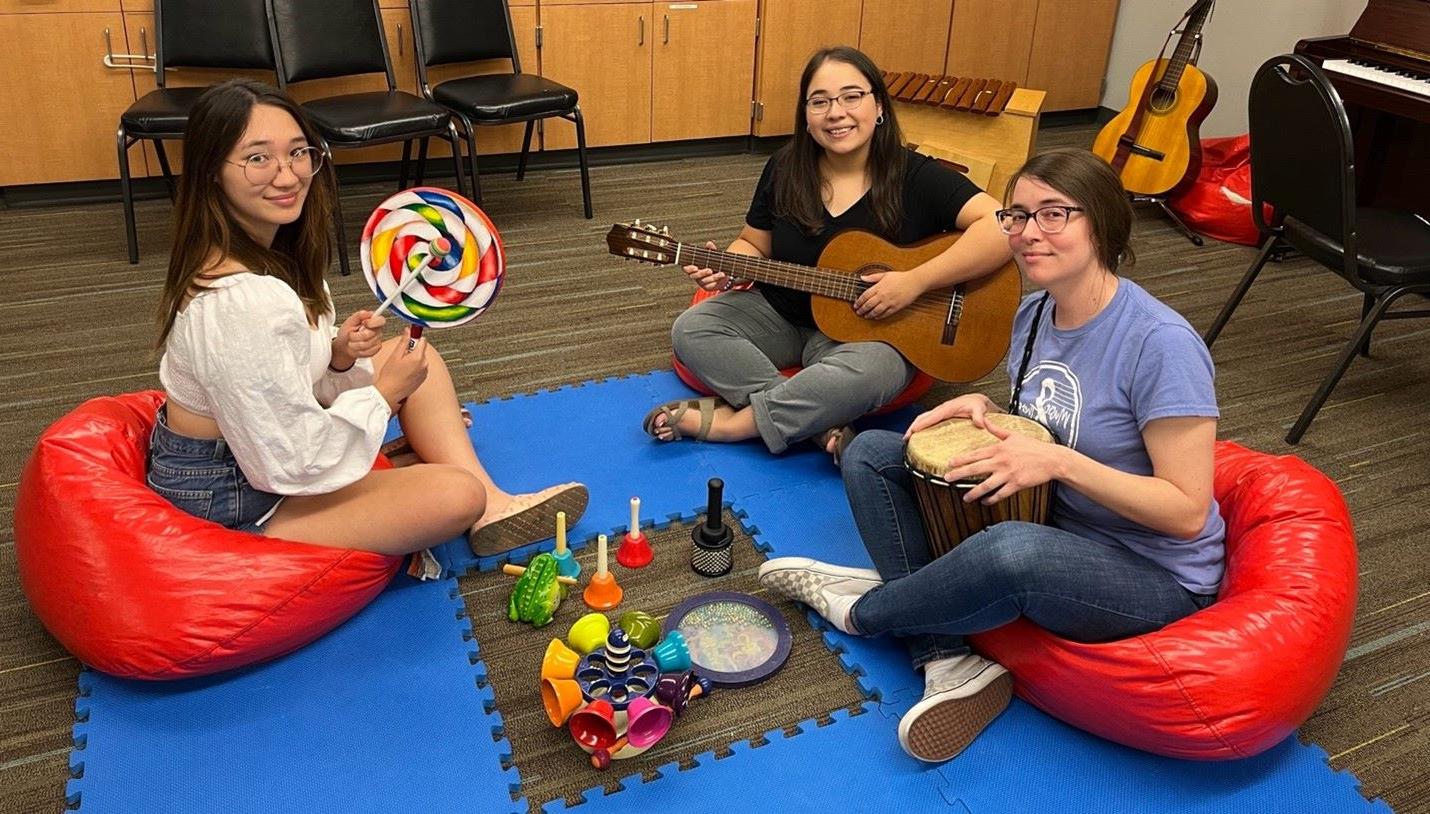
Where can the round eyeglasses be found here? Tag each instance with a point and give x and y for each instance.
(821, 105)
(1051, 219)
(262, 168)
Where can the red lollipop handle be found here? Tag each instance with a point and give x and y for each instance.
(414, 336)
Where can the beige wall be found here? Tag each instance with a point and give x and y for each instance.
(1240, 35)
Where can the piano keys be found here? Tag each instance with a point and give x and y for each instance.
(1381, 69)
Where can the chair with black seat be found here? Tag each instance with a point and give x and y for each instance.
(458, 31)
(226, 34)
(318, 39)
(1303, 172)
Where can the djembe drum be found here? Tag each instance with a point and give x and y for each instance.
(948, 520)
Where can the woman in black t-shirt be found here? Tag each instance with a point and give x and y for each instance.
(845, 167)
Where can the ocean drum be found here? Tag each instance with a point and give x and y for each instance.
(948, 520)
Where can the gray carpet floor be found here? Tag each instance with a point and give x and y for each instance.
(77, 321)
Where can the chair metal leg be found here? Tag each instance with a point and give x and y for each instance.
(456, 158)
(581, 154)
(406, 165)
(422, 161)
(131, 233)
(338, 226)
(1367, 324)
(164, 167)
(1241, 289)
(1367, 303)
(525, 150)
(472, 159)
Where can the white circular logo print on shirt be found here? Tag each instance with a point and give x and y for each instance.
(1057, 404)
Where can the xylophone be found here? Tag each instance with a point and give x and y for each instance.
(987, 128)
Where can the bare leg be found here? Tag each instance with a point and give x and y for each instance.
(432, 421)
(395, 511)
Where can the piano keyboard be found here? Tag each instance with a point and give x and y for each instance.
(1409, 81)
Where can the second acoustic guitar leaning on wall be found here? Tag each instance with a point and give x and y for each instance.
(1154, 143)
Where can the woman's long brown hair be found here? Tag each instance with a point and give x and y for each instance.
(205, 231)
(799, 187)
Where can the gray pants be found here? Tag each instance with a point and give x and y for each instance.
(737, 343)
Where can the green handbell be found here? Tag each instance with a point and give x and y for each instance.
(536, 594)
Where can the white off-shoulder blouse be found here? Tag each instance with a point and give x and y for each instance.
(243, 354)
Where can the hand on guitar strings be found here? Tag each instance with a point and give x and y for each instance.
(1015, 463)
(709, 279)
(891, 292)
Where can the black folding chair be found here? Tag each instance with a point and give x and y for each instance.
(229, 34)
(1303, 168)
(316, 39)
(455, 31)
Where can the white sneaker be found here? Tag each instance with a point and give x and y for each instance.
(962, 695)
(830, 589)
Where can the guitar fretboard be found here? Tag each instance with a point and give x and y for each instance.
(1172, 77)
(839, 285)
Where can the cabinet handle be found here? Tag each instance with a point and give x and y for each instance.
(667, 30)
(641, 40)
(129, 61)
(399, 39)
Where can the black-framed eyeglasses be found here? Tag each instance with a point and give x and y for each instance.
(849, 99)
(1051, 219)
(261, 168)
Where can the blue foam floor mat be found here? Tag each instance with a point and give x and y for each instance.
(391, 712)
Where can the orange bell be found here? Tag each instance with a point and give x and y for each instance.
(602, 592)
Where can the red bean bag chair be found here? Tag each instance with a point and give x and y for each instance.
(134, 587)
(1218, 203)
(1238, 677)
(915, 390)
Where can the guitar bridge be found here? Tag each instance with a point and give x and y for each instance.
(951, 319)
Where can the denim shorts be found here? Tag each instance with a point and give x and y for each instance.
(201, 477)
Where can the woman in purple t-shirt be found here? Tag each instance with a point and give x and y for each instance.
(1135, 539)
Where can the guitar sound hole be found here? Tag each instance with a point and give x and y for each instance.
(1163, 100)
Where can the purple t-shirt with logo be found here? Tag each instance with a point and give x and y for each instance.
(1096, 387)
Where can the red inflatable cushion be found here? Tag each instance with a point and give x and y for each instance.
(915, 390)
(1238, 677)
(134, 587)
(1218, 202)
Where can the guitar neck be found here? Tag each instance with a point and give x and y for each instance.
(839, 285)
(1172, 77)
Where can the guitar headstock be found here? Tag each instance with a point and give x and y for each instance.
(642, 241)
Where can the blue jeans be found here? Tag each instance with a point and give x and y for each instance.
(201, 476)
(1076, 588)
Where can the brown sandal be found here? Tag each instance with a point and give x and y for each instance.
(673, 410)
(842, 436)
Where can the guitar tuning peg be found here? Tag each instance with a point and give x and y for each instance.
(637, 224)
(665, 230)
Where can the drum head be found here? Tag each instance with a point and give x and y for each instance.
(929, 450)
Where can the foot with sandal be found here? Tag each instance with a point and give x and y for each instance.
(510, 520)
(710, 418)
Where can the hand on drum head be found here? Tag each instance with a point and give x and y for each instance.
(1015, 463)
(973, 406)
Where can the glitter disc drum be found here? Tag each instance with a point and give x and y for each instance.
(735, 639)
(444, 239)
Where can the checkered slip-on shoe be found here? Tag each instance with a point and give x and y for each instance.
(956, 706)
(819, 585)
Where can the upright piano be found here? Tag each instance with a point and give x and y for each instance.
(1382, 71)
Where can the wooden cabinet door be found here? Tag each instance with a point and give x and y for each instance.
(790, 31)
(906, 35)
(603, 50)
(703, 69)
(991, 39)
(1070, 47)
(63, 103)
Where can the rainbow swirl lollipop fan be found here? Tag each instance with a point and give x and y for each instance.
(433, 256)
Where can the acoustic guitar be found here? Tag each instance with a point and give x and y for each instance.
(1154, 143)
(956, 335)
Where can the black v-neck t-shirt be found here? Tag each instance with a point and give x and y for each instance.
(933, 196)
